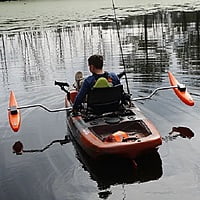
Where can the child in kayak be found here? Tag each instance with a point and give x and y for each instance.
(78, 80)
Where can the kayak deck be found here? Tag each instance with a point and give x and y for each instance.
(118, 134)
(135, 129)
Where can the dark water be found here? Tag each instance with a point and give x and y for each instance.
(44, 41)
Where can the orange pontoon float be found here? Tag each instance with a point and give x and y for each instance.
(14, 115)
(180, 90)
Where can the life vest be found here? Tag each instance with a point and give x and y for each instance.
(103, 80)
(102, 83)
(118, 136)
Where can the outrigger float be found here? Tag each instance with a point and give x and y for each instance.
(109, 127)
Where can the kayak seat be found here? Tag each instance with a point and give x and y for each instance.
(104, 99)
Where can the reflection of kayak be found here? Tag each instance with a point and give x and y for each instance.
(14, 115)
(183, 94)
(145, 168)
(105, 172)
(125, 133)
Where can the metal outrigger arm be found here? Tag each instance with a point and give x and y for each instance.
(39, 105)
(181, 87)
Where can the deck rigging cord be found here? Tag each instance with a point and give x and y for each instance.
(120, 45)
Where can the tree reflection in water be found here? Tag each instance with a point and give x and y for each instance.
(151, 43)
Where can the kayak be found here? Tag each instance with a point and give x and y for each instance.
(108, 124)
(181, 92)
(14, 114)
(124, 133)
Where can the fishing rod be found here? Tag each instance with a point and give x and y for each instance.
(120, 45)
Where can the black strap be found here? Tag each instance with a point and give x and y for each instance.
(97, 76)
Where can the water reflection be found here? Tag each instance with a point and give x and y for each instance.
(18, 147)
(186, 25)
(109, 171)
(151, 44)
(116, 171)
(38, 45)
(184, 132)
(179, 131)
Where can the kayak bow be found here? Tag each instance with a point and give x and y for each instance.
(182, 93)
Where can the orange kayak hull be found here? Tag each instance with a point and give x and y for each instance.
(98, 137)
(184, 96)
(14, 114)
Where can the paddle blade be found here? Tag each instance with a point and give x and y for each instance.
(14, 115)
(181, 92)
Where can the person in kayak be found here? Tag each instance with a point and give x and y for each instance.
(95, 63)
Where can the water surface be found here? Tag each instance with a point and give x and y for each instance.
(44, 41)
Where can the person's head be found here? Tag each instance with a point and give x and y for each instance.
(78, 76)
(95, 62)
